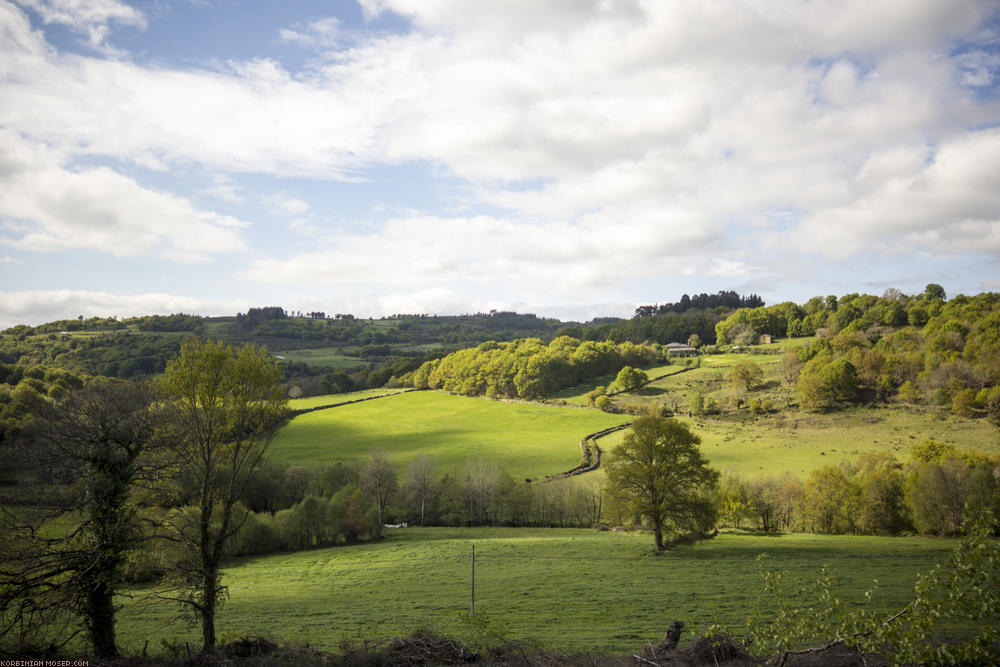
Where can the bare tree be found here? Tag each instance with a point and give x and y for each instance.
(380, 480)
(420, 478)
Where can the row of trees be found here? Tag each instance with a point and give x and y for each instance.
(527, 368)
(875, 495)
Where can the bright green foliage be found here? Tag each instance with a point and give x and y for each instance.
(830, 502)
(825, 384)
(746, 374)
(659, 473)
(526, 368)
(812, 618)
(223, 402)
(630, 379)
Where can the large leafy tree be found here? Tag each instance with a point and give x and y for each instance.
(79, 467)
(659, 473)
(224, 403)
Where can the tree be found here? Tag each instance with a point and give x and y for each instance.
(823, 384)
(746, 374)
(85, 458)
(630, 379)
(224, 404)
(658, 472)
(829, 502)
(381, 482)
(419, 486)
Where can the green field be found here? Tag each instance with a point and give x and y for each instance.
(320, 356)
(331, 399)
(526, 440)
(801, 442)
(571, 590)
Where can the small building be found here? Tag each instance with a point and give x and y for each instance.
(680, 350)
(766, 339)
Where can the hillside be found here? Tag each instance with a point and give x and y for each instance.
(525, 440)
(580, 591)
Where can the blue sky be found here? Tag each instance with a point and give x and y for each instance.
(572, 158)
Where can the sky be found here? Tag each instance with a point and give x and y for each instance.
(570, 158)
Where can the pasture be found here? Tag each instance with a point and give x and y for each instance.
(570, 590)
(332, 399)
(525, 439)
(798, 443)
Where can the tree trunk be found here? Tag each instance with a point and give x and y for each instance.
(100, 619)
(209, 586)
(658, 535)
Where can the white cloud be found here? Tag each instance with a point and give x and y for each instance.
(92, 18)
(321, 33)
(623, 138)
(48, 207)
(488, 252)
(225, 188)
(282, 203)
(37, 307)
(950, 204)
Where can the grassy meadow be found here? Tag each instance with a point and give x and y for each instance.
(525, 439)
(798, 443)
(333, 399)
(328, 357)
(571, 590)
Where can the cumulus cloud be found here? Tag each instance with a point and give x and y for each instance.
(486, 251)
(45, 206)
(948, 203)
(36, 307)
(619, 138)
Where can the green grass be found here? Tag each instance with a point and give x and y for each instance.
(320, 356)
(527, 440)
(330, 399)
(571, 590)
(576, 395)
(800, 442)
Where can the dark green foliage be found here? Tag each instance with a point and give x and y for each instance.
(78, 465)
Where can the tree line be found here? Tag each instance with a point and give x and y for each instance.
(930, 494)
(528, 368)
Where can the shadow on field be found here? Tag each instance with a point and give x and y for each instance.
(426, 647)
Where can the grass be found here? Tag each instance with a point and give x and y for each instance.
(571, 590)
(800, 442)
(331, 399)
(330, 357)
(576, 395)
(526, 440)
(774, 445)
